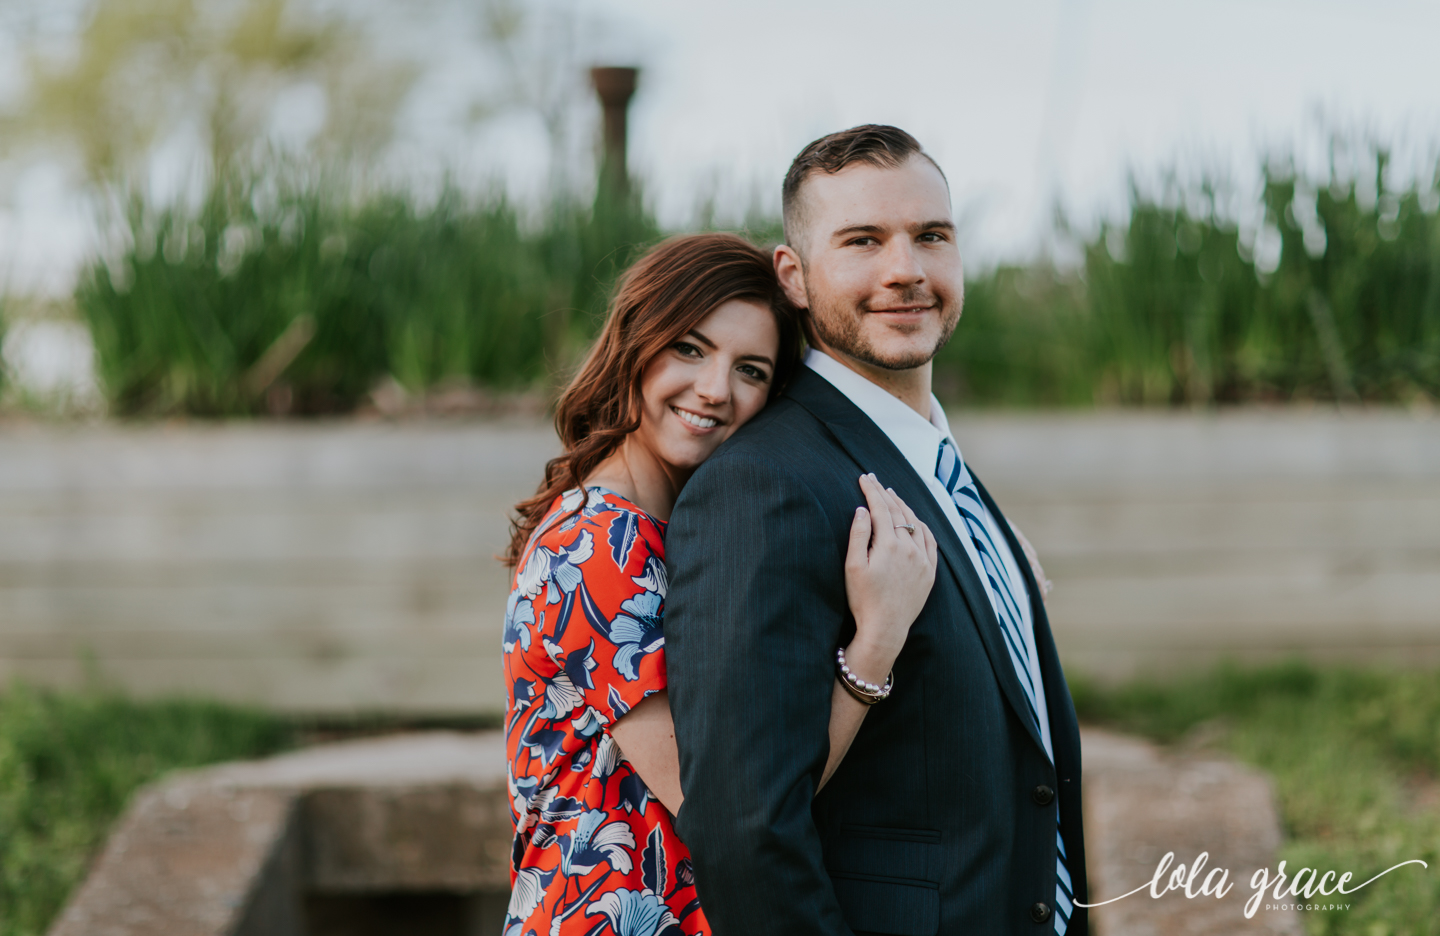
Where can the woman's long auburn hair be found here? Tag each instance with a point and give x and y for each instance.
(664, 295)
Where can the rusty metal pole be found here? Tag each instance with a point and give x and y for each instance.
(615, 86)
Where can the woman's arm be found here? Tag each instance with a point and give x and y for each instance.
(888, 575)
(646, 735)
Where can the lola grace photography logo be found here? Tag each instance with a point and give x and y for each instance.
(1302, 889)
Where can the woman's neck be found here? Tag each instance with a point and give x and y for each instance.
(636, 474)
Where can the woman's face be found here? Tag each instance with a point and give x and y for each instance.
(702, 388)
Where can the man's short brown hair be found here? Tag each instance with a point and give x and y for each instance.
(876, 144)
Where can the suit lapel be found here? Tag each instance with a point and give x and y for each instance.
(868, 445)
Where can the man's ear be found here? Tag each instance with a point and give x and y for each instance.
(791, 273)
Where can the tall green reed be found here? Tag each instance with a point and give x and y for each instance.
(289, 284)
(283, 288)
(1333, 295)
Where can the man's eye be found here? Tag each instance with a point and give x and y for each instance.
(931, 237)
(863, 241)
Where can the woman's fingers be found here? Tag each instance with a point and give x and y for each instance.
(882, 513)
(905, 509)
(859, 538)
(904, 515)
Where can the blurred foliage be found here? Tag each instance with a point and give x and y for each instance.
(144, 70)
(283, 282)
(1334, 294)
(68, 765)
(1355, 759)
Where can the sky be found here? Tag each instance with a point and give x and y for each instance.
(1024, 104)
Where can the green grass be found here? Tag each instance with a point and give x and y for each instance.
(68, 765)
(1347, 750)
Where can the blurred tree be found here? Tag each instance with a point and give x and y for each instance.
(143, 70)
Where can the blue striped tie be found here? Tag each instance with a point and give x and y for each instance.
(951, 471)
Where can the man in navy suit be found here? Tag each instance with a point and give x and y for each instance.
(957, 808)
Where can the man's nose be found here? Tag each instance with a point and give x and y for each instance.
(902, 264)
(712, 384)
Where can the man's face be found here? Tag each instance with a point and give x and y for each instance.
(881, 272)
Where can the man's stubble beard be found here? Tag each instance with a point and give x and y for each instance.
(839, 328)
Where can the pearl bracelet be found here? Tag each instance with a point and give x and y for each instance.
(869, 693)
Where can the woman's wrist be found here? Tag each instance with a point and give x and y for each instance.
(869, 660)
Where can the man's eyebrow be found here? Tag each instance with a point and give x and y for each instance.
(938, 224)
(857, 229)
(695, 333)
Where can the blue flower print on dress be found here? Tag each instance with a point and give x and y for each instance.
(634, 794)
(624, 530)
(633, 912)
(529, 890)
(617, 704)
(593, 842)
(595, 505)
(543, 743)
(519, 616)
(556, 571)
(636, 631)
(578, 665)
(561, 696)
(607, 756)
(591, 723)
(589, 649)
(654, 578)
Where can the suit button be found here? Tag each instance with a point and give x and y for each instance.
(1040, 912)
(1042, 795)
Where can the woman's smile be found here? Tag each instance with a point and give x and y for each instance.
(695, 421)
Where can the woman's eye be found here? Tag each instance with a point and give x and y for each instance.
(686, 348)
(753, 372)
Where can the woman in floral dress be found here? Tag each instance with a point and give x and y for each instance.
(698, 339)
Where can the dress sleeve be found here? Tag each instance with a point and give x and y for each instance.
(609, 639)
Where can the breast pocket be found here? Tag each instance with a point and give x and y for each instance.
(887, 879)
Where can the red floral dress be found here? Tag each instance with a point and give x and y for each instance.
(594, 851)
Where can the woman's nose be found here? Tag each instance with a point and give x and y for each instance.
(712, 384)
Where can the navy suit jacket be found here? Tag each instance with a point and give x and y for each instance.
(937, 821)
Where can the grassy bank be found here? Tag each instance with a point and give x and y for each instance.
(68, 765)
(1355, 758)
(1354, 755)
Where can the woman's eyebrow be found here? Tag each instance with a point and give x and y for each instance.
(698, 336)
(695, 333)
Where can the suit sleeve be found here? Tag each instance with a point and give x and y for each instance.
(755, 607)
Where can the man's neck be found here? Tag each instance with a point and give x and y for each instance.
(911, 387)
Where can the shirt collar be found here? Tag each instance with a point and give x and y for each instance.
(917, 438)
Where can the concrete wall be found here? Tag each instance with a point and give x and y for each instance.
(347, 567)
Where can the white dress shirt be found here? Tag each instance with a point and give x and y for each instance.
(918, 439)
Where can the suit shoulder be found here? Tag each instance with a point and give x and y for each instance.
(778, 433)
